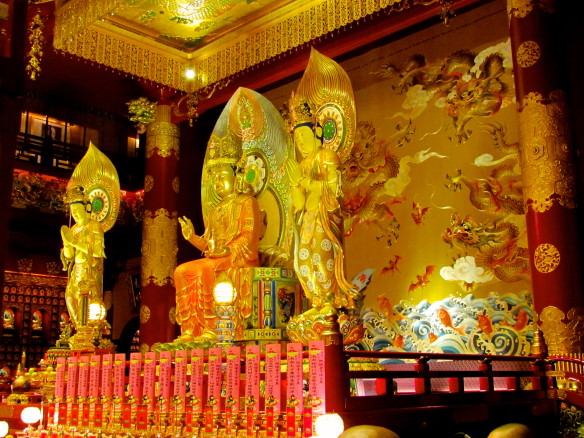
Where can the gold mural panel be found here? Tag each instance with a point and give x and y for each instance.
(528, 53)
(548, 170)
(562, 337)
(159, 247)
(546, 258)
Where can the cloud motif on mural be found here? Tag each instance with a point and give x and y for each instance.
(466, 272)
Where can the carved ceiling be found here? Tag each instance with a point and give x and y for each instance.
(159, 40)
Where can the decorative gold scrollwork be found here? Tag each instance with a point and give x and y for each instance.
(159, 247)
(546, 258)
(562, 337)
(528, 53)
(547, 165)
(144, 314)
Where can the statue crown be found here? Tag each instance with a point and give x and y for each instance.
(301, 111)
(76, 194)
(222, 150)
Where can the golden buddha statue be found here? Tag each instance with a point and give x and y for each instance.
(230, 241)
(93, 195)
(82, 254)
(245, 205)
(322, 118)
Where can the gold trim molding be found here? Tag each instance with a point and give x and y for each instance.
(159, 247)
(522, 8)
(80, 30)
(562, 337)
(547, 164)
(23, 279)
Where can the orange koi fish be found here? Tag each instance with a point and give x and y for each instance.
(485, 324)
(446, 320)
(521, 320)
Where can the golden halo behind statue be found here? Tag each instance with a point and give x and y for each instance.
(327, 86)
(251, 134)
(101, 184)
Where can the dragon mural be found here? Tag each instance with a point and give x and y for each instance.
(374, 180)
(463, 85)
(496, 245)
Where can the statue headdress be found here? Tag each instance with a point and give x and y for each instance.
(251, 134)
(95, 182)
(222, 150)
(325, 89)
(302, 113)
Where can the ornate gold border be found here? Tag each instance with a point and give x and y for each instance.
(547, 164)
(562, 337)
(79, 31)
(159, 247)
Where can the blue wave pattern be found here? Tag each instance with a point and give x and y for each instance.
(501, 324)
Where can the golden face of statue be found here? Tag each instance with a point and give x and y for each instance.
(223, 180)
(304, 139)
(79, 212)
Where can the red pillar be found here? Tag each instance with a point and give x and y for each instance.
(159, 233)
(549, 173)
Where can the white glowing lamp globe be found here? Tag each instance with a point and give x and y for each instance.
(190, 74)
(96, 312)
(30, 415)
(223, 292)
(329, 426)
(4, 428)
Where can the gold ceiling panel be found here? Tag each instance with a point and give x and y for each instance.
(159, 39)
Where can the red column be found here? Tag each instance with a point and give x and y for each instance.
(549, 173)
(159, 233)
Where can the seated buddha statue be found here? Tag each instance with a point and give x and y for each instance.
(230, 241)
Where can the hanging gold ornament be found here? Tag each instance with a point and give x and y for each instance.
(36, 40)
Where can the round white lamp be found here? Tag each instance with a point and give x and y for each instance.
(329, 426)
(96, 311)
(4, 428)
(223, 291)
(30, 415)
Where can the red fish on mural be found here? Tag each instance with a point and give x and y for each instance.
(446, 320)
(422, 280)
(386, 308)
(391, 265)
(419, 213)
(398, 341)
(520, 322)
(485, 324)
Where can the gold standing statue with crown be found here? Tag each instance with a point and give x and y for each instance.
(93, 195)
(322, 116)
